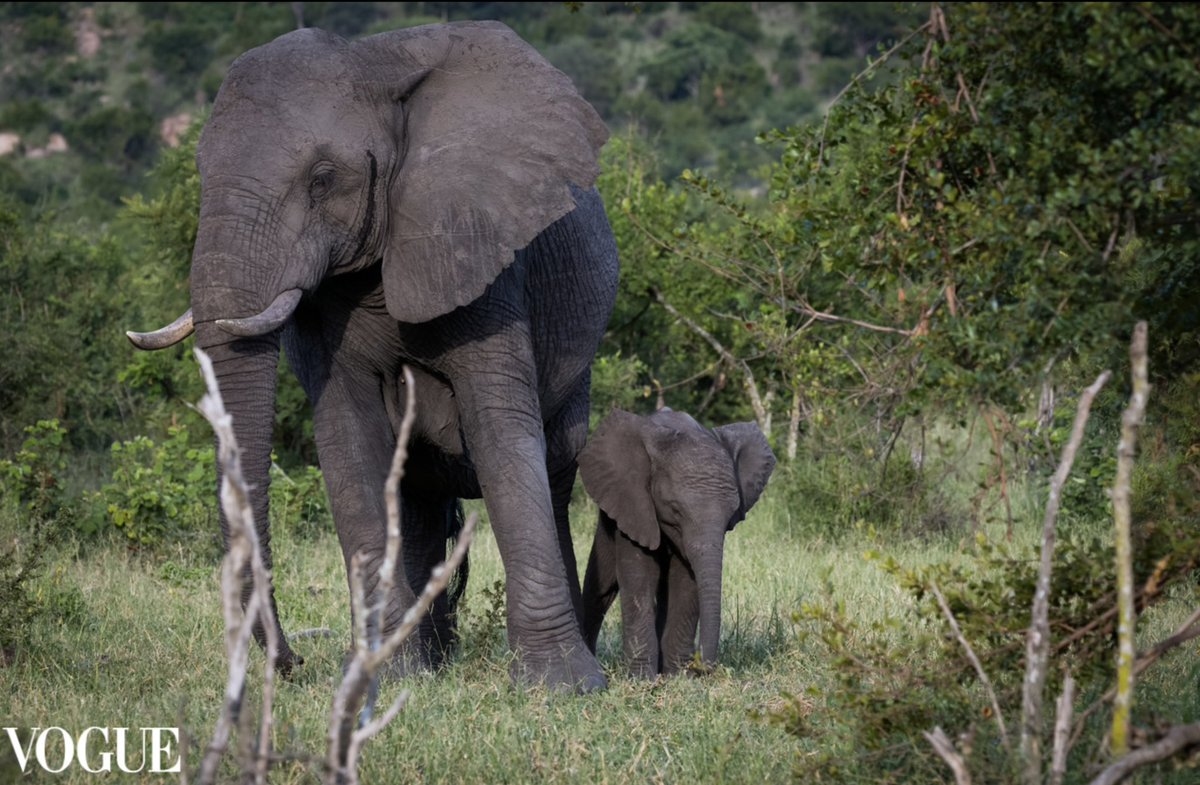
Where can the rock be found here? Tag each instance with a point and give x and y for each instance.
(9, 142)
(87, 35)
(173, 127)
(57, 144)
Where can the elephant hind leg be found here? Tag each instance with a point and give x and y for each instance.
(566, 433)
(426, 527)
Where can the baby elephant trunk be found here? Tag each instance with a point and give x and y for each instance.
(706, 563)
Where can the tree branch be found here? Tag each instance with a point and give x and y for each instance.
(1131, 420)
(756, 401)
(945, 749)
(1038, 639)
(975, 663)
(1178, 739)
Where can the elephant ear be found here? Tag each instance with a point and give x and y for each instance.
(615, 469)
(752, 460)
(494, 137)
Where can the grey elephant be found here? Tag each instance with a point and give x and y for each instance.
(422, 197)
(669, 490)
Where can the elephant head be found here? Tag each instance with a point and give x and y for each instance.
(427, 156)
(666, 481)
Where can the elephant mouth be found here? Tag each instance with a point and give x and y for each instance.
(267, 321)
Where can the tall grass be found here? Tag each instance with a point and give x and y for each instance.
(133, 638)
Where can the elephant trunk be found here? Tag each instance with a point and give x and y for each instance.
(707, 563)
(245, 369)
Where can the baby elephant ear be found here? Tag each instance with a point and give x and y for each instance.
(752, 459)
(493, 138)
(615, 469)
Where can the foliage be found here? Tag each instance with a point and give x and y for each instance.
(904, 674)
(34, 475)
(615, 385)
(946, 240)
(21, 563)
(160, 488)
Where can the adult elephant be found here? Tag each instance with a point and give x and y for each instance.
(419, 197)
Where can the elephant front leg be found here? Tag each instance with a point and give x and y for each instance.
(355, 446)
(639, 574)
(503, 429)
(679, 615)
(600, 581)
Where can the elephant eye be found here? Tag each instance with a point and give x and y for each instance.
(320, 184)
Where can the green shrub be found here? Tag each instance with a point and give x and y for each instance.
(162, 490)
(34, 475)
(905, 674)
(298, 501)
(158, 489)
(21, 552)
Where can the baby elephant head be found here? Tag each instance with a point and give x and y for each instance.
(668, 482)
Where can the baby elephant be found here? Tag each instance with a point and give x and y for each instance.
(668, 490)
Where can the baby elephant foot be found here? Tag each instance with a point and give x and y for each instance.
(569, 669)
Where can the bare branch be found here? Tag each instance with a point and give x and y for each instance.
(927, 27)
(1179, 739)
(1187, 631)
(756, 401)
(1038, 640)
(363, 669)
(1131, 420)
(945, 749)
(806, 309)
(1062, 730)
(975, 663)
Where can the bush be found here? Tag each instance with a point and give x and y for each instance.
(167, 489)
(159, 489)
(34, 475)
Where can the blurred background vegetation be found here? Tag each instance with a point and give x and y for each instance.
(901, 237)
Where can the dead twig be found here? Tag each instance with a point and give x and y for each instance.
(373, 650)
(1178, 739)
(945, 750)
(1062, 730)
(1038, 639)
(975, 663)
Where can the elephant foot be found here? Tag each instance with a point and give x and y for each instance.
(570, 669)
(643, 670)
(287, 662)
(414, 657)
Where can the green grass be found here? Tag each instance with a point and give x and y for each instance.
(135, 639)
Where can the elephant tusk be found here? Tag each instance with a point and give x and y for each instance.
(268, 321)
(170, 335)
